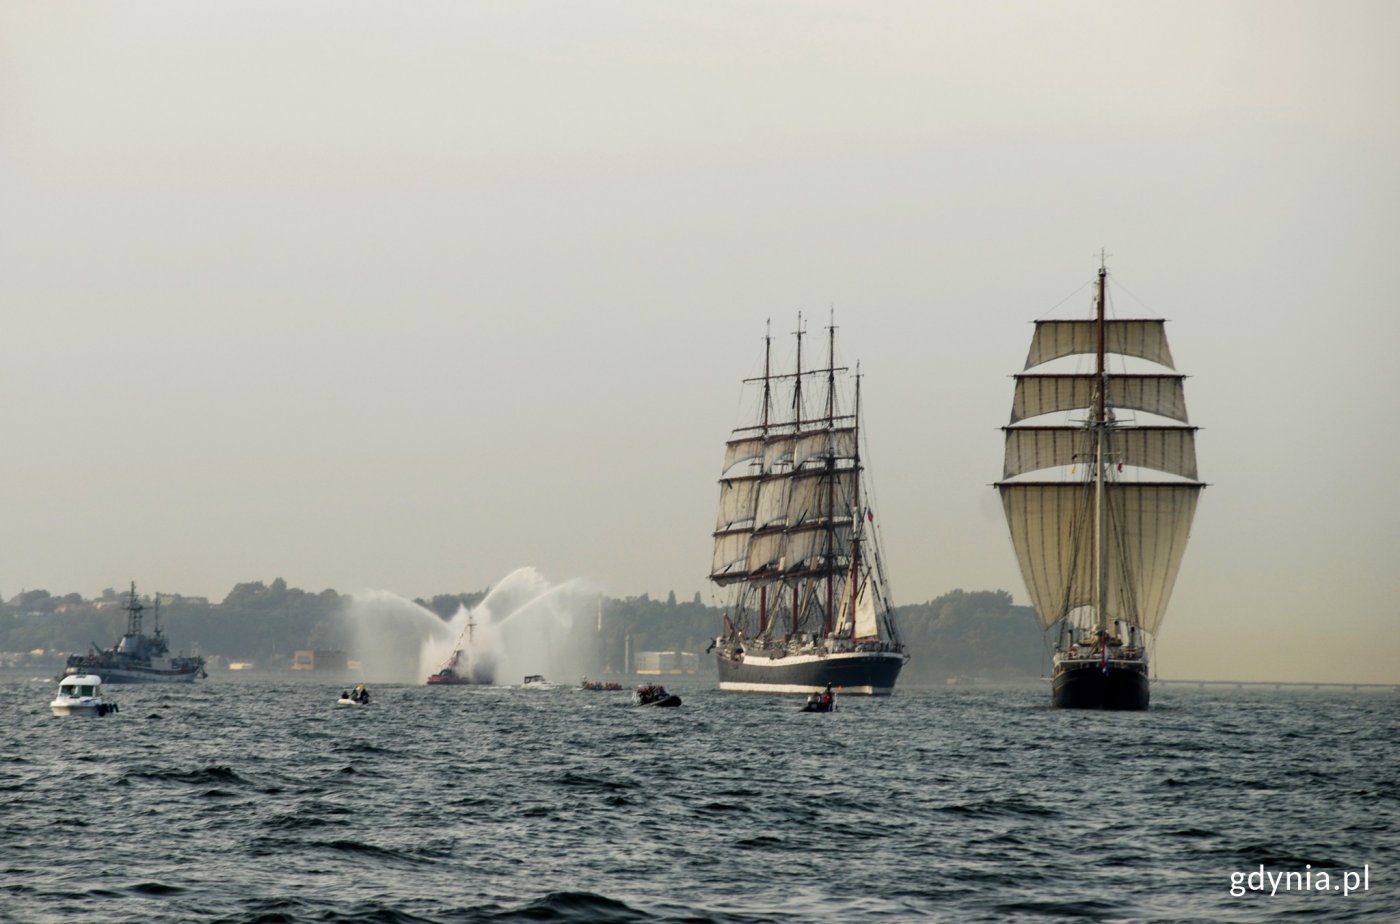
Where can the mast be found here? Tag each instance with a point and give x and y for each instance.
(767, 404)
(856, 527)
(797, 427)
(1100, 426)
(830, 475)
(133, 613)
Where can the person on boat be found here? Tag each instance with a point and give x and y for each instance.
(826, 697)
(361, 694)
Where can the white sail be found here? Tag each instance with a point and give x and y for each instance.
(771, 510)
(813, 490)
(1048, 394)
(1163, 449)
(738, 501)
(1146, 339)
(866, 624)
(766, 552)
(819, 545)
(1052, 531)
(837, 443)
(746, 449)
(777, 452)
(730, 560)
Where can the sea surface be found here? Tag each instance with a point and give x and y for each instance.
(264, 801)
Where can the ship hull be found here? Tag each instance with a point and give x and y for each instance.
(113, 674)
(1087, 686)
(861, 673)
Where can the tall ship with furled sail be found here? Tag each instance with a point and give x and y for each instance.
(796, 545)
(137, 657)
(1099, 485)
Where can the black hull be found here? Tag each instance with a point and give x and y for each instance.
(861, 673)
(1088, 687)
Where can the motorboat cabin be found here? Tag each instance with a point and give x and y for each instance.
(81, 694)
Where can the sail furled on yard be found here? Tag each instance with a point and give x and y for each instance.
(1146, 520)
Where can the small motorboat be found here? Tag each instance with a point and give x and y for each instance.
(356, 697)
(587, 684)
(537, 682)
(821, 702)
(654, 694)
(81, 694)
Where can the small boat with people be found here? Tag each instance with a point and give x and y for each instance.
(587, 684)
(356, 697)
(825, 701)
(654, 694)
(81, 694)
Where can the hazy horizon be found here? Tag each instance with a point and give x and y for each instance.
(402, 299)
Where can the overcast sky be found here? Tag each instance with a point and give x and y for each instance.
(404, 296)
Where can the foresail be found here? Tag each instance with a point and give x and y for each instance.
(738, 501)
(729, 562)
(746, 449)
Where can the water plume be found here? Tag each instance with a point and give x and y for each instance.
(524, 625)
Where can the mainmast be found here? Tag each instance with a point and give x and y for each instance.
(1100, 425)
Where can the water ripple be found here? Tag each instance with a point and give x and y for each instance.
(249, 802)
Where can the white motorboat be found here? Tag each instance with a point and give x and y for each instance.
(81, 694)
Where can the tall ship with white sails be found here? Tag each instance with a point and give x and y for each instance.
(796, 544)
(1099, 485)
